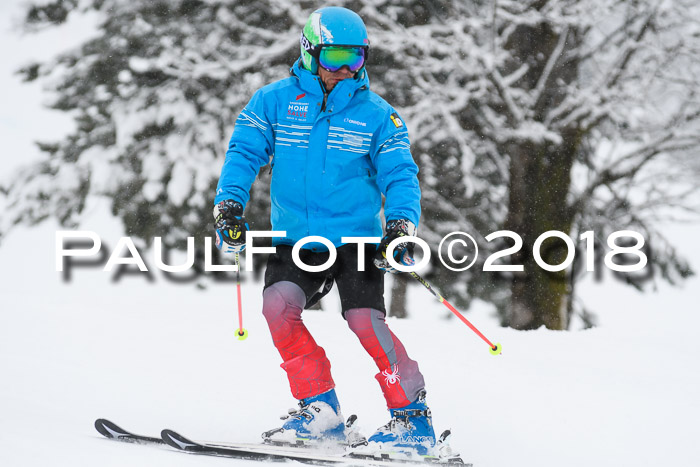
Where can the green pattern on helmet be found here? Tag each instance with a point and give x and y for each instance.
(312, 31)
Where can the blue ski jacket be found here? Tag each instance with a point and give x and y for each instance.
(332, 158)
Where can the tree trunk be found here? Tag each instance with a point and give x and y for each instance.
(397, 308)
(540, 180)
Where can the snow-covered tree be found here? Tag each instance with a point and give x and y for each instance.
(531, 116)
(548, 115)
(155, 96)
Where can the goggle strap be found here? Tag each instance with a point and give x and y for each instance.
(310, 48)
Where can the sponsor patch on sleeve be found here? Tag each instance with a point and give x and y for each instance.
(396, 120)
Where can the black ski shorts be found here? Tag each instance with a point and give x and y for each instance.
(357, 289)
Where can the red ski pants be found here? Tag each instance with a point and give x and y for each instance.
(306, 364)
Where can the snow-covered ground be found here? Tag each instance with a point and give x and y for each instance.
(156, 354)
(151, 355)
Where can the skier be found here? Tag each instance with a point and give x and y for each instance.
(335, 148)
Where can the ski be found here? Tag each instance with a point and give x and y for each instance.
(111, 430)
(267, 453)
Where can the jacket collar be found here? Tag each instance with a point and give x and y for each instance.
(341, 93)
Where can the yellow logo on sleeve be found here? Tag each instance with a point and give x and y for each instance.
(396, 120)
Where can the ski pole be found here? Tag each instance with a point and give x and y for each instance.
(494, 349)
(242, 333)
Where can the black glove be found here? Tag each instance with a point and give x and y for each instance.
(231, 226)
(403, 253)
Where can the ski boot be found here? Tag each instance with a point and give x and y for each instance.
(318, 419)
(409, 431)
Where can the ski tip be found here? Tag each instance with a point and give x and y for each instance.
(445, 436)
(351, 421)
(109, 429)
(177, 441)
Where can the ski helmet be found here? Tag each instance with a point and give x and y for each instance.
(331, 26)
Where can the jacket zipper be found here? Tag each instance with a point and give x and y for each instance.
(325, 98)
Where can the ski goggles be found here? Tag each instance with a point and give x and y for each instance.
(334, 58)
